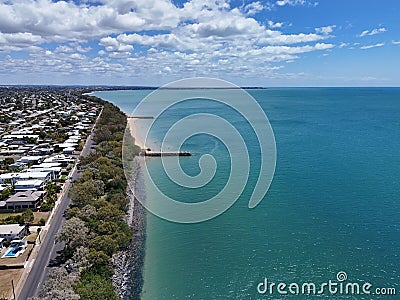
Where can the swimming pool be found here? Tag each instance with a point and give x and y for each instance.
(12, 252)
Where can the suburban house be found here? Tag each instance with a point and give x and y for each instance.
(42, 151)
(45, 176)
(64, 160)
(47, 165)
(33, 159)
(23, 200)
(17, 165)
(13, 231)
(13, 178)
(69, 150)
(66, 145)
(9, 178)
(54, 171)
(29, 185)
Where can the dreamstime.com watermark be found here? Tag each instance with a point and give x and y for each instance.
(340, 286)
(150, 112)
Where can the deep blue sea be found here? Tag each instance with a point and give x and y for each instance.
(333, 205)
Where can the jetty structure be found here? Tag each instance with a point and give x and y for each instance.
(148, 152)
(145, 151)
(139, 117)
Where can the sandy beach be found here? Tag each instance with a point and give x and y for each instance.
(133, 127)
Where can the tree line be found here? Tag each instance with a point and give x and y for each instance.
(95, 228)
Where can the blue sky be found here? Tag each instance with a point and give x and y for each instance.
(247, 42)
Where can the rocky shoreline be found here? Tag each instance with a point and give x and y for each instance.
(128, 263)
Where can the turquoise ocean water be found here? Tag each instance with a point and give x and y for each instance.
(333, 205)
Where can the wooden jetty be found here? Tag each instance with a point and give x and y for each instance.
(147, 152)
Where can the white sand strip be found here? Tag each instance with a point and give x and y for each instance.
(134, 132)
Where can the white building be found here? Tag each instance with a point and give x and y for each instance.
(69, 150)
(54, 171)
(12, 231)
(45, 176)
(29, 185)
(10, 178)
(64, 160)
(31, 159)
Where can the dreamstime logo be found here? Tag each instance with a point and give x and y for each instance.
(341, 276)
(332, 287)
(151, 110)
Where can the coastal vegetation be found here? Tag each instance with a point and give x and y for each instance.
(95, 228)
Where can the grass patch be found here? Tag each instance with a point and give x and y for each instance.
(31, 238)
(40, 215)
(6, 215)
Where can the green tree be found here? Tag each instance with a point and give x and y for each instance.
(98, 258)
(84, 193)
(104, 243)
(8, 161)
(58, 286)
(27, 216)
(74, 233)
(95, 284)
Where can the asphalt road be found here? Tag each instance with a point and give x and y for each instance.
(37, 273)
(49, 250)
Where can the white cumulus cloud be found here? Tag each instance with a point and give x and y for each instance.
(295, 2)
(373, 31)
(372, 46)
(325, 29)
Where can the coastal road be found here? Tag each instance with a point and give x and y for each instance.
(49, 249)
(37, 273)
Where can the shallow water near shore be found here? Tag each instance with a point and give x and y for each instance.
(333, 205)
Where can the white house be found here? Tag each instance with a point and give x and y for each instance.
(29, 185)
(12, 231)
(69, 150)
(66, 145)
(16, 165)
(10, 178)
(64, 160)
(54, 171)
(31, 159)
(41, 175)
(42, 151)
(46, 165)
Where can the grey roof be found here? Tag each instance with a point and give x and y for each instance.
(27, 196)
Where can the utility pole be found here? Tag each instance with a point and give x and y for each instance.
(12, 283)
(38, 231)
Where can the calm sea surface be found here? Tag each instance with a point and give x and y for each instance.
(333, 205)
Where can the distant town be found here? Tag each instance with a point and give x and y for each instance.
(42, 134)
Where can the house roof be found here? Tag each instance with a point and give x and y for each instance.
(66, 145)
(31, 157)
(27, 196)
(35, 182)
(44, 169)
(8, 175)
(11, 228)
(46, 165)
(34, 175)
